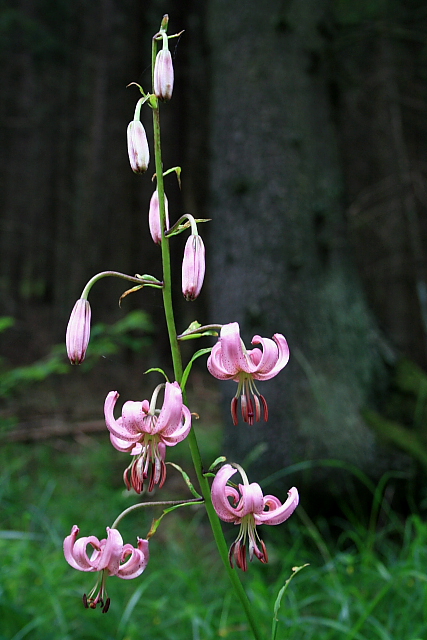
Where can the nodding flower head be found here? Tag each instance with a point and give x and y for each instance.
(246, 505)
(78, 331)
(230, 360)
(110, 557)
(193, 267)
(154, 217)
(145, 432)
(139, 153)
(163, 75)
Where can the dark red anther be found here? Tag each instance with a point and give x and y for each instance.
(85, 601)
(234, 404)
(265, 407)
(264, 557)
(162, 474)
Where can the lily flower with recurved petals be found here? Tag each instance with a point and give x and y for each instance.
(248, 507)
(230, 360)
(109, 556)
(145, 432)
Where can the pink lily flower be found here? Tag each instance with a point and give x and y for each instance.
(78, 331)
(154, 217)
(145, 432)
(230, 360)
(110, 557)
(193, 267)
(248, 507)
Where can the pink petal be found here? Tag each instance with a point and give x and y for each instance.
(170, 436)
(112, 552)
(278, 514)
(171, 413)
(274, 357)
(122, 445)
(69, 543)
(221, 492)
(115, 426)
(75, 550)
(215, 365)
(252, 499)
(133, 418)
(137, 562)
(233, 356)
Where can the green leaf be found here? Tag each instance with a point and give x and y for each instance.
(280, 595)
(217, 462)
(158, 371)
(187, 369)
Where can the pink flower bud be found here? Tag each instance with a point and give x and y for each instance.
(78, 331)
(154, 217)
(163, 75)
(139, 153)
(193, 267)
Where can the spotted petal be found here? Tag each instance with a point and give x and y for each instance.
(171, 435)
(137, 561)
(170, 416)
(116, 427)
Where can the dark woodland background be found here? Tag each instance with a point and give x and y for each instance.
(300, 127)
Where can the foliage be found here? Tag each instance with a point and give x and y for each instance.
(357, 586)
(132, 332)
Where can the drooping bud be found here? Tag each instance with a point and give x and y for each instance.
(193, 267)
(163, 75)
(78, 331)
(139, 153)
(154, 217)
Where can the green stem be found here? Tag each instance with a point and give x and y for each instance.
(219, 536)
(162, 503)
(178, 371)
(167, 281)
(115, 274)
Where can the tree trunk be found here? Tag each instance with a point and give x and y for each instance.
(279, 253)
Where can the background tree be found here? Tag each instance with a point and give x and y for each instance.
(315, 156)
(277, 189)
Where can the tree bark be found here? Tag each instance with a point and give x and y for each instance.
(279, 254)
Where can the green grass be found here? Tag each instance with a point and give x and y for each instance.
(363, 583)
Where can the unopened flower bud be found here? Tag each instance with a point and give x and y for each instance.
(163, 75)
(78, 331)
(193, 267)
(139, 153)
(154, 217)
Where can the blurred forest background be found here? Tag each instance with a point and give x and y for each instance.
(300, 128)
